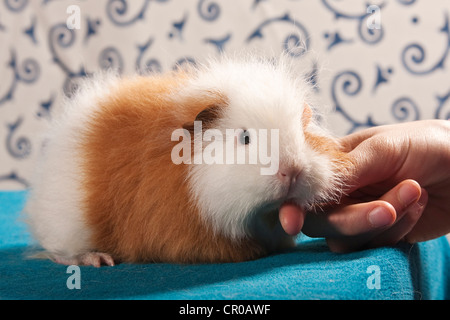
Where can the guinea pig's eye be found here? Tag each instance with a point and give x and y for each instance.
(244, 137)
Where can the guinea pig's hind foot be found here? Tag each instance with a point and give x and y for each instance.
(96, 259)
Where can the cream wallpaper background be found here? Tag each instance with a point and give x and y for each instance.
(368, 76)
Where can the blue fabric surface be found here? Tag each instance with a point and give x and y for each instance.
(310, 271)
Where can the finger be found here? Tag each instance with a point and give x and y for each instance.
(403, 195)
(363, 218)
(401, 228)
(349, 220)
(375, 217)
(291, 218)
(404, 198)
(430, 226)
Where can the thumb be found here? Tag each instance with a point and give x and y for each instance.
(372, 159)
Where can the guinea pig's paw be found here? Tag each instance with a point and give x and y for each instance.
(96, 259)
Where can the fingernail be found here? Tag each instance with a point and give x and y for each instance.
(417, 208)
(380, 217)
(408, 194)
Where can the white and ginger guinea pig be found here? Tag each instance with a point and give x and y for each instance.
(107, 188)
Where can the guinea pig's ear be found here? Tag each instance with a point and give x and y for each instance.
(307, 115)
(207, 116)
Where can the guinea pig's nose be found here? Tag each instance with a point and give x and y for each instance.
(289, 175)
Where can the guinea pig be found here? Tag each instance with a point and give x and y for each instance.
(145, 168)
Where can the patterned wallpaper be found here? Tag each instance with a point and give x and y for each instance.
(373, 63)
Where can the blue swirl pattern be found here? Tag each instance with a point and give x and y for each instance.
(396, 72)
(443, 108)
(27, 72)
(151, 65)
(414, 54)
(208, 10)
(293, 43)
(20, 147)
(110, 58)
(117, 11)
(16, 5)
(404, 109)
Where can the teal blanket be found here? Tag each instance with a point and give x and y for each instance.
(310, 271)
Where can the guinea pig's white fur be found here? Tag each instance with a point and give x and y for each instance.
(231, 199)
(54, 210)
(260, 95)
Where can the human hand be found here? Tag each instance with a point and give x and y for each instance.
(402, 171)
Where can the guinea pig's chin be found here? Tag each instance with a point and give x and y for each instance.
(291, 197)
(303, 194)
